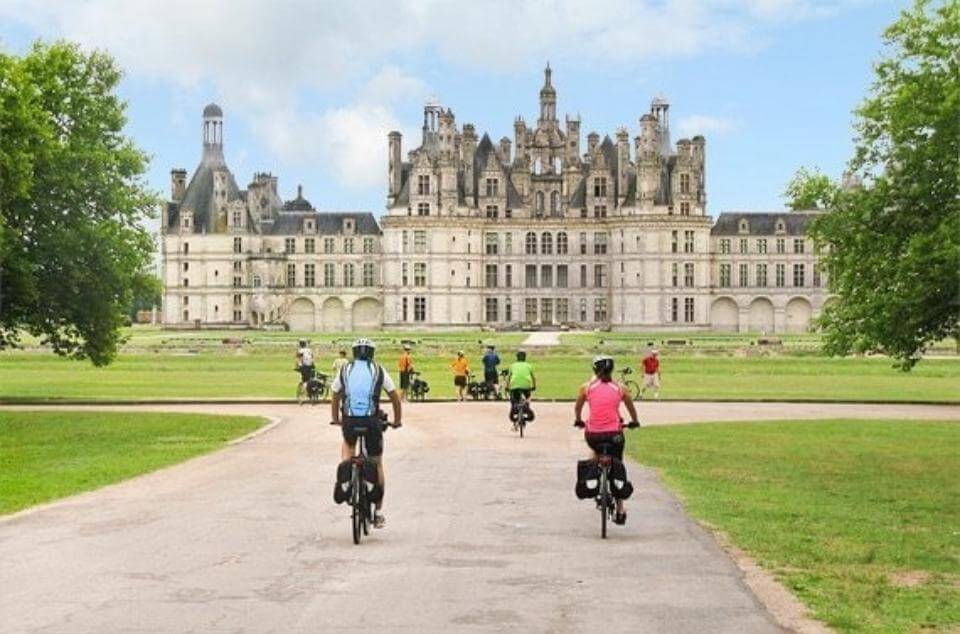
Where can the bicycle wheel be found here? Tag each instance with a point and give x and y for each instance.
(633, 388)
(604, 502)
(521, 423)
(357, 513)
(367, 507)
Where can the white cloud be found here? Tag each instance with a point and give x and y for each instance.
(269, 62)
(706, 125)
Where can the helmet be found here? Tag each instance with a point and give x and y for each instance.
(363, 349)
(303, 343)
(603, 365)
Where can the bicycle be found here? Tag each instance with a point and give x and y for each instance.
(631, 386)
(418, 387)
(606, 502)
(521, 413)
(317, 387)
(361, 505)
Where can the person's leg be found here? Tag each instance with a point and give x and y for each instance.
(346, 449)
(656, 387)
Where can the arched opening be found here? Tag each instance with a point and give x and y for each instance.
(761, 315)
(367, 314)
(301, 316)
(725, 315)
(554, 203)
(799, 312)
(333, 315)
(540, 202)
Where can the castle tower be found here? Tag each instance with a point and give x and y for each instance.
(573, 139)
(395, 166)
(548, 98)
(519, 134)
(623, 164)
(178, 184)
(431, 122)
(648, 160)
(469, 145)
(213, 133)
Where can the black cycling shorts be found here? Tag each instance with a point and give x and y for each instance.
(404, 380)
(306, 372)
(614, 439)
(372, 429)
(490, 377)
(516, 393)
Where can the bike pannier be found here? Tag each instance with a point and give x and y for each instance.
(588, 479)
(341, 490)
(620, 487)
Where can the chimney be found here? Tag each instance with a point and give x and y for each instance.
(178, 184)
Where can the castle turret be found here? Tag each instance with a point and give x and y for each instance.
(648, 160)
(573, 140)
(395, 166)
(469, 152)
(519, 135)
(213, 133)
(623, 164)
(548, 98)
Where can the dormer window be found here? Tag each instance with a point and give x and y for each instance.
(744, 226)
(348, 225)
(780, 226)
(309, 225)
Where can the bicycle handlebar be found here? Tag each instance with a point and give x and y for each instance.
(383, 424)
(634, 424)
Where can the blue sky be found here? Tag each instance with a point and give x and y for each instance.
(309, 89)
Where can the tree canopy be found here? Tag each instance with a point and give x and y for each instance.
(810, 189)
(73, 249)
(892, 245)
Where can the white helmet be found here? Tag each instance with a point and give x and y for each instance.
(363, 348)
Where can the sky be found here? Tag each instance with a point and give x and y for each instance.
(309, 89)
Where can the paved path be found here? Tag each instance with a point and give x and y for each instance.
(483, 534)
(542, 338)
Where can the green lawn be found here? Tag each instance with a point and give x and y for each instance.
(49, 455)
(861, 519)
(253, 372)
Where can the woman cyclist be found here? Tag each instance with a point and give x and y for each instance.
(604, 424)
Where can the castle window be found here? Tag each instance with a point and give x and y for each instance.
(530, 275)
(348, 275)
(743, 245)
(761, 275)
(493, 211)
(540, 203)
(310, 275)
(186, 282)
(423, 209)
(674, 309)
(186, 315)
(493, 187)
(490, 277)
(583, 309)
(185, 300)
(531, 244)
(237, 300)
(688, 241)
(292, 274)
(490, 309)
(348, 245)
(186, 248)
(688, 313)
(599, 243)
(725, 275)
(257, 282)
(675, 275)
(600, 211)
(583, 277)
(780, 226)
(744, 226)
(419, 273)
(546, 276)
(674, 242)
(404, 274)
(744, 275)
(507, 276)
(237, 218)
(817, 280)
(419, 309)
(186, 266)
(309, 225)
(309, 245)
(600, 309)
(508, 213)
(237, 315)
(290, 245)
(546, 243)
(419, 241)
(329, 274)
(508, 243)
(554, 203)
(781, 275)
(368, 245)
(798, 245)
(562, 245)
(600, 187)
(799, 275)
(404, 309)
(238, 245)
(684, 183)
(599, 276)
(688, 276)
(237, 281)
(781, 246)
(684, 209)
(583, 212)
(563, 309)
(491, 244)
(186, 224)
(762, 246)
(423, 185)
(530, 309)
(507, 310)
(328, 245)
(562, 276)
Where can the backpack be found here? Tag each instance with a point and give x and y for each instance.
(367, 401)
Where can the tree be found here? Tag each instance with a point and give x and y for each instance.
(893, 245)
(72, 201)
(810, 189)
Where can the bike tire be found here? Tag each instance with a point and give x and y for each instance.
(356, 514)
(521, 424)
(604, 502)
(367, 510)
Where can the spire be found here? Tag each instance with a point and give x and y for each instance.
(548, 97)
(546, 76)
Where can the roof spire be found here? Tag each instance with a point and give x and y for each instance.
(546, 75)
(299, 191)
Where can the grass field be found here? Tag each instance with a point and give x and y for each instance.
(269, 374)
(861, 519)
(49, 455)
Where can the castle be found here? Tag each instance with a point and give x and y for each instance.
(537, 231)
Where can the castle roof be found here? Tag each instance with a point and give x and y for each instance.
(199, 193)
(299, 203)
(795, 223)
(212, 110)
(328, 222)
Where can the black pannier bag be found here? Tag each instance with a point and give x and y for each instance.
(588, 479)
(341, 489)
(620, 487)
(371, 477)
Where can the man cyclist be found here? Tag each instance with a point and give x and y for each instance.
(405, 368)
(604, 425)
(520, 383)
(304, 358)
(490, 363)
(356, 395)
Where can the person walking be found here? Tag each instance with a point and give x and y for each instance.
(304, 365)
(461, 368)
(340, 361)
(405, 369)
(491, 361)
(651, 372)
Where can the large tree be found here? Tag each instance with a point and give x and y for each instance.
(810, 189)
(892, 245)
(73, 249)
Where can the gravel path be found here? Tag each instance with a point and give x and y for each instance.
(484, 534)
(542, 338)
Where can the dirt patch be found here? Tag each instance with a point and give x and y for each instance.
(909, 578)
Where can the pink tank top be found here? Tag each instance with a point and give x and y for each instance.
(604, 401)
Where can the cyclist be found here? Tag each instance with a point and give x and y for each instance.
(405, 368)
(651, 372)
(340, 361)
(604, 425)
(461, 368)
(490, 362)
(356, 395)
(304, 364)
(520, 382)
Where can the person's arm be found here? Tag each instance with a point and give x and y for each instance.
(533, 380)
(631, 409)
(335, 408)
(578, 408)
(395, 401)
